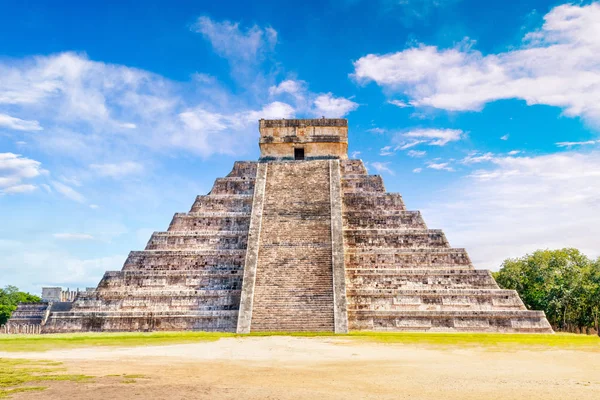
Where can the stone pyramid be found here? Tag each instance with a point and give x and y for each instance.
(302, 240)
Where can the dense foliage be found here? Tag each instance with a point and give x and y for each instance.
(564, 283)
(9, 298)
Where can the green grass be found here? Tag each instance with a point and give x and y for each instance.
(16, 373)
(505, 340)
(125, 339)
(18, 343)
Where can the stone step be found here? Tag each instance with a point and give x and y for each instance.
(406, 258)
(153, 292)
(222, 203)
(373, 202)
(221, 281)
(210, 222)
(434, 300)
(395, 238)
(294, 280)
(352, 167)
(184, 260)
(391, 219)
(198, 240)
(233, 185)
(515, 321)
(420, 279)
(363, 184)
(244, 169)
(125, 320)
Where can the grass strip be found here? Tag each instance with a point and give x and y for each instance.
(20, 343)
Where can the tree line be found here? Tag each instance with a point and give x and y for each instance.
(10, 296)
(563, 283)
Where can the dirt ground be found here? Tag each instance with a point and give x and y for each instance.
(321, 368)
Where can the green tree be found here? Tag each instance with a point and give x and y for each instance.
(560, 282)
(592, 293)
(10, 296)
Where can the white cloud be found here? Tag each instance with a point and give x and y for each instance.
(431, 137)
(73, 236)
(333, 107)
(399, 103)
(386, 151)
(417, 170)
(514, 152)
(416, 153)
(92, 111)
(354, 154)
(440, 166)
(505, 137)
(274, 110)
(382, 167)
(118, 170)
(521, 204)
(289, 86)
(475, 158)
(233, 43)
(14, 169)
(538, 72)
(571, 144)
(25, 188)
(18, 124)
(68, 192)
(378, 131)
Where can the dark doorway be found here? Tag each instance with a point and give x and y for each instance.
(298, 154)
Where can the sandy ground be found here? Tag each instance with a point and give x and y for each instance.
(322, 368)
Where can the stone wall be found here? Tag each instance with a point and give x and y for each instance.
(402, 276)
(187, 278)
(319, 138)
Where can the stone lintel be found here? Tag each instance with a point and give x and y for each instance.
(251, 263)
(340, 308)
(287, 123)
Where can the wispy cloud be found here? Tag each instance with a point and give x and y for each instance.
(440, 166)
(14, 170)
(18, 124)
(475, 158)
(571, 144)
(431, 137)
(117, 170)
(68, 192)
(505, 211)
(386, 151)
(72, 236)
(377, 131)
(416, 153)
(382, 167)
(399, 103)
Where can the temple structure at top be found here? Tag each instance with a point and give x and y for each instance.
(304, 239)
(303, 139)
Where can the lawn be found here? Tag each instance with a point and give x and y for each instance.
(18, 376)
(19, 343)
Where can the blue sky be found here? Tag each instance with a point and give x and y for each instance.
(115, 115)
